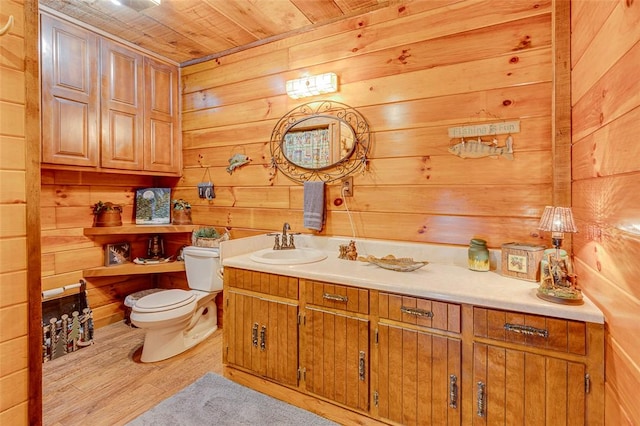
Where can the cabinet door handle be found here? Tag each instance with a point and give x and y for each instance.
(480, 400)
(361, 366)
(526, 329)
(254, 335)
(335, 297)
(453, 391)
(263, 338)
(416, 311)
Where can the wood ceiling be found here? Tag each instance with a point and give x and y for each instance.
(187, 31)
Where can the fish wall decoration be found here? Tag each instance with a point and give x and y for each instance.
(236, 161)
(479, 149)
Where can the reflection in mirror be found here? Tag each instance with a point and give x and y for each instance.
(318, 142)
(321, 140)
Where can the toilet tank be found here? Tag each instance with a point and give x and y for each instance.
(203, 268)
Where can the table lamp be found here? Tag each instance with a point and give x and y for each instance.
(558, 283)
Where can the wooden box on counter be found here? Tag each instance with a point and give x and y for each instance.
(522, 261)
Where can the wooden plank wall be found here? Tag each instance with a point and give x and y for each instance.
(412, 71)
(14, 183)
(605, 46)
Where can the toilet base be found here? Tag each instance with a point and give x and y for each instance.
(166, 342)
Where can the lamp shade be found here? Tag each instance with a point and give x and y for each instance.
(557, 219)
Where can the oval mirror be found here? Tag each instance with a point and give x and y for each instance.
(321, 140)
(318, 142)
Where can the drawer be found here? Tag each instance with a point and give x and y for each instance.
(262, 282)
(530, 330)
(419, 311)
(346, 298)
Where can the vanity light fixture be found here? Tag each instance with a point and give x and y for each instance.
(312, 85)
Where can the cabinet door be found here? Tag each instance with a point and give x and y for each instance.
(122, 107)
(70, 94)
(337, 357)
(517, 387)
(162, 147)
(263, 336)
(418, 377)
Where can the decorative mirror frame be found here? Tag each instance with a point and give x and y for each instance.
(346, 166)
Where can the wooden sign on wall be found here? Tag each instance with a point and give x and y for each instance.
(487, 129)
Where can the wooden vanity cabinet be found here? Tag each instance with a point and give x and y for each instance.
(106, 106)
(336, 343)
(366, 356)
(419, 360)
(532, 369)
(261, 324)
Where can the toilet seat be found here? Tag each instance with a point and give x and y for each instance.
(164, 301)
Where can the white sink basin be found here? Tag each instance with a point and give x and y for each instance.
(288, 257)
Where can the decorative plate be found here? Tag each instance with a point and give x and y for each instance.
(400, 264)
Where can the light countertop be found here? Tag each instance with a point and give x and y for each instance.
(445, 278)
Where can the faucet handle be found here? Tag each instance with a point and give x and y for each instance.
(276, 244)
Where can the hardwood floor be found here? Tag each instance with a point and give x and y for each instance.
(106, 384)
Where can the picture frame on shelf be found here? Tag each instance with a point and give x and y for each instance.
(153, 206)
(117, 254)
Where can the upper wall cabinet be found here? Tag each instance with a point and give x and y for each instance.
(70, 94)
(122, 107)
(106, 106)
(162, 147)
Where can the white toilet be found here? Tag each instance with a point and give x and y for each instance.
(175, 320)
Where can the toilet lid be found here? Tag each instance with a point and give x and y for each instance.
(165, 300)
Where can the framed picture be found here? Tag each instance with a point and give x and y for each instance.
(117, 254)
(517, 263)
(153, 206)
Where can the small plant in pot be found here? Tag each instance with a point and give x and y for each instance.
(181, 212)
(208, 237)
(107, 214)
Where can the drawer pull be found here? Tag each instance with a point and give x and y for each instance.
(526, 329)
(335, 297)
(263, 338)
(254, 335)
(416, 311)
(361, 366)
(453, 391)
(480, 400)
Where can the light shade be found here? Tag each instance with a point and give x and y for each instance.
(312, 85)
(557, 219)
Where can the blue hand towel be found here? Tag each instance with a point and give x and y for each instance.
(314, 205)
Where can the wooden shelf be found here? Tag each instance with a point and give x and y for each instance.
(133, 269)
(138, 229)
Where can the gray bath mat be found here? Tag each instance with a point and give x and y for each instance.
(215, 400)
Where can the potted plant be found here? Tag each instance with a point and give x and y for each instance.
(107, 214)
(181, 212)
(207, 237)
